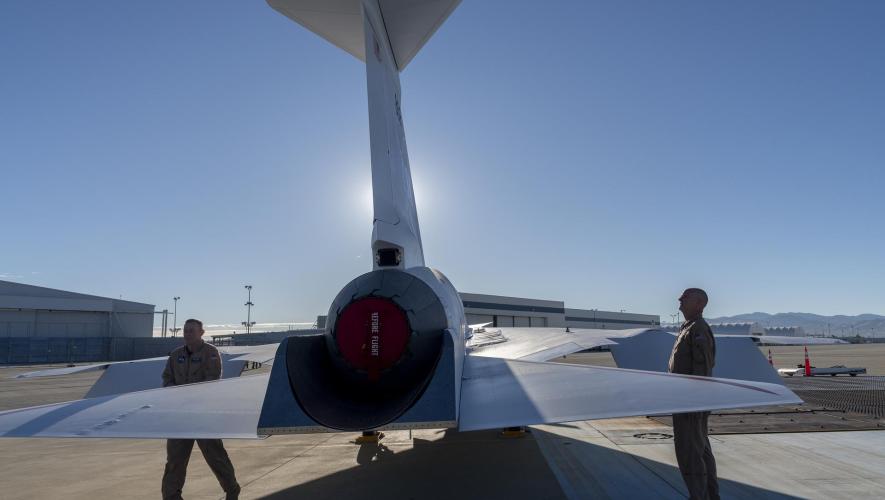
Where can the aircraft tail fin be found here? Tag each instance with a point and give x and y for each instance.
(396, 237)
(386, 34)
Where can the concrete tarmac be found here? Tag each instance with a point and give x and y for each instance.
(422, 464)
(618, 458)
(869, 356)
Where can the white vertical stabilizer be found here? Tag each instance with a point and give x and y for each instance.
(396, 237)
(386, 34)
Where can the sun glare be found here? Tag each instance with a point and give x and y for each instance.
(361, 194)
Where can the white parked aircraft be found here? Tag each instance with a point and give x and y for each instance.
(397, 352)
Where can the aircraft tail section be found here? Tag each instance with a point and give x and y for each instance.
(386, 34)
(396, 237)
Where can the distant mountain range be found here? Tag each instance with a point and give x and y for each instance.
(866, 325)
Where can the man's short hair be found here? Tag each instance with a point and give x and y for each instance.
(698, 292)
(192, 320)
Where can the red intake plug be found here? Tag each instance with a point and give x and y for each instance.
(372, 334)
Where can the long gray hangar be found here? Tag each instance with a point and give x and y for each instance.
(397, 352)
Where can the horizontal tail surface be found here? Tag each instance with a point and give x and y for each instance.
(498, 393)
(408, 23)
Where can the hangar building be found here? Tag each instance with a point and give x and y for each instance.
(737, 329)
(34, 311)
(516, 311)
(786, 331)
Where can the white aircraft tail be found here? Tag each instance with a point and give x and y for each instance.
(396, 237)
(386, 34)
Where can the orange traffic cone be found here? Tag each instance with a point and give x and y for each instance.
(807, 363)
(770, 362)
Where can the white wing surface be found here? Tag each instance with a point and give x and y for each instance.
(143, 374)
(130, 377)
(263, 353)
(257, 353)
(784, 340)
(497, 393)
(737, 357)
(221, 409)
(542, 344)
(54, 372)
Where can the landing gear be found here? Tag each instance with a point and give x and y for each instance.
(514, 432)
(370, 437)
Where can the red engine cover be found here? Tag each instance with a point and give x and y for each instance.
(372, 333)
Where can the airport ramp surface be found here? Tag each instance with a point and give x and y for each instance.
(633, 458)
(617, 458)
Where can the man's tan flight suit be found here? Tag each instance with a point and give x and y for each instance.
(694, 354)
(186, 367)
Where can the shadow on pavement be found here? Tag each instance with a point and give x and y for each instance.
(460, 465)
(587, 470)
(467, 465)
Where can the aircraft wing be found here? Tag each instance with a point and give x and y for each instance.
(53, 372)
(541, 344)
(258, 354)
(220, 409)
(263, 353)
(784, 340)
(142, 374)
(737, 357)
(120, 378)
(497, 393)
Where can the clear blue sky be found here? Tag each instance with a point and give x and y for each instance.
(607, 154)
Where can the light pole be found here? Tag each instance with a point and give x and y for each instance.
(248, 323)
(164, 321)
(175, 316)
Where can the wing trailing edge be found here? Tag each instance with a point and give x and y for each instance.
(210, 410)
(498, 393)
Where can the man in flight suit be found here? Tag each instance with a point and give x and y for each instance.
(694, 353)
(195, 361)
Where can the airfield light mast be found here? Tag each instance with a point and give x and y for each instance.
(249, 323)
(175, 316)
(164, 321)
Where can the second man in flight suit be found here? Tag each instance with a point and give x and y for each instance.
(195, 361)
(694, 353)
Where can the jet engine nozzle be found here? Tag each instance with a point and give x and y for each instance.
(383, 341)
(372, 334)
